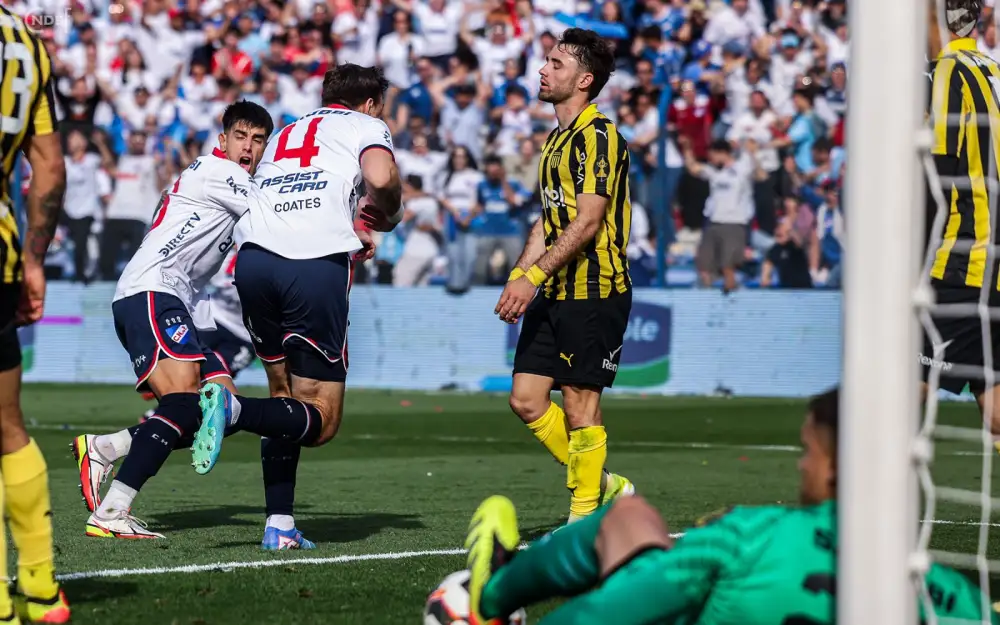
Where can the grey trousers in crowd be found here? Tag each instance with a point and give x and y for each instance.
(512, 246)
(461, 261)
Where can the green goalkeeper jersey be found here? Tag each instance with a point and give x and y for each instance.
(753, 566)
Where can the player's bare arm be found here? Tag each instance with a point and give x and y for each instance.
(582, 230)
(45, 202)
(534, 247)
(381, 175)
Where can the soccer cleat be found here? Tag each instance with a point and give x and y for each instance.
(492, 540)
(281, 540)
(616, 486)
(94, 469)
(33, 610)
(216, 411)
(124, 525)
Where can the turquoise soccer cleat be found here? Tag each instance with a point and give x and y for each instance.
(281, 540)
(216, 411)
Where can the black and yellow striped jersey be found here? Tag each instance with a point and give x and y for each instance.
(27, 108)
(965, 118)
(589, 157)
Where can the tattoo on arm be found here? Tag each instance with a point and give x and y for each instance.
(43, 215)
(534, 248)
(573, 239)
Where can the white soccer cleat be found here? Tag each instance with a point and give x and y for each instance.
(94, 469)
(122, 525)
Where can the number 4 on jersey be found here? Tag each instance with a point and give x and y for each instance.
(304, 152)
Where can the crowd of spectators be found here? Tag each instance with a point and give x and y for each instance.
(733, 110)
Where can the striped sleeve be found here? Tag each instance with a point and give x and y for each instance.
(596, 153)
(948, 108)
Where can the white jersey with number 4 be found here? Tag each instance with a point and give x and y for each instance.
(191, 233)
(309, 182)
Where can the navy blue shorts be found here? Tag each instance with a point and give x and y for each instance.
(152, 326)
(296, 308)
(235, 353)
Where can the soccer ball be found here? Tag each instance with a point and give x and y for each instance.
(449, 604)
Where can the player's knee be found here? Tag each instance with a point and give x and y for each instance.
(329, 414)
(529, 408)
(180, 410)
(629, 528)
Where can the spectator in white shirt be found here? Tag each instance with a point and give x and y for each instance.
(788, 65)
(300, 92)
(423, 215)
(399, 50)
(134, 73)
(271, 101)
(464, 116)
(437, 23)
(728, 211)
(759, 124)
(83, 199)
(457, 197)
(139, 180)
(356, 32)
(420, 161)
(988, 43)
(498, 47)
(515, 122)
(734, 23)
(170, 46)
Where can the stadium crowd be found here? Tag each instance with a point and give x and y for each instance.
(755, 88)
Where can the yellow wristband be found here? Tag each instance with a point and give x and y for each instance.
(536, 276)
(515, 274)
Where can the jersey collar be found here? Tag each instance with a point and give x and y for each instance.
(965, 43)
(219, 153)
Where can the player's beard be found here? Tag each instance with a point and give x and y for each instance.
(554, 95)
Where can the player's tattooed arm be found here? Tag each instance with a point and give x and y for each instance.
(534, 247)
(589, 214)
(45, 198)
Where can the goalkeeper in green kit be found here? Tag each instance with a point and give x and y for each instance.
(767, 565)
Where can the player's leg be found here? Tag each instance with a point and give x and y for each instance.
(166, 354)
(26, 504)
(593, 330)
(530, 396)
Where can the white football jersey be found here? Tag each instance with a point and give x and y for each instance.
(308, 184)
(191, 233)
(226, 308)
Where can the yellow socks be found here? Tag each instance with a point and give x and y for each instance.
(550, 429)
(26, 482)
(588, 449)
(6, 606)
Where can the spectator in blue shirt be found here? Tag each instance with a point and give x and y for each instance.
(659, 13)
(417, 100)
(666, 56)
(511, 78)
(497, 226)
(806, 128)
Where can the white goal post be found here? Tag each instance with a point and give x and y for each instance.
(878, 514)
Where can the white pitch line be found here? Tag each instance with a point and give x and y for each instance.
(972, 523)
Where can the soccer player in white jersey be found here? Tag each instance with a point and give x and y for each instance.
(161, 301)
(294, 266)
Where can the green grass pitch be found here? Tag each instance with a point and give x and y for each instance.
(401, 478)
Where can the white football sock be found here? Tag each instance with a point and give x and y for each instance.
(283, 522)
(119, 498)
(114, 446)
(236, 411)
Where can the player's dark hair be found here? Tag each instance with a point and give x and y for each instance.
(962, 16)
(492, 159)
(248, 113)
(593, 53)
(825, 411)
(720, 145)
(351, 85)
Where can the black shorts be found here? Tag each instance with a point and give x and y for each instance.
(574, 342)
(10, 346)
(235, 353)
(961, 342)
(296, 308)
(153, 325)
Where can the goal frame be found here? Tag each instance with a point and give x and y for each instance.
(877, 481)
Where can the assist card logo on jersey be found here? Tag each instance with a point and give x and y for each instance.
(178, 334)
(643, 359)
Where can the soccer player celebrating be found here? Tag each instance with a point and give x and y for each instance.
(297, 244)
(965, 121)
(767, 564)
(162, 300)
(572, 335)
(28, 126)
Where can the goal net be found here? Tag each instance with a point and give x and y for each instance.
(903, 462)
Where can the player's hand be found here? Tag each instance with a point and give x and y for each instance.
(374, 217)
(367, 251)
(515, 299)
(32, 304)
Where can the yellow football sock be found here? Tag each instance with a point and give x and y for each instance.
(588, 449)
(6, 606)
(550, 429)
(26, 482)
